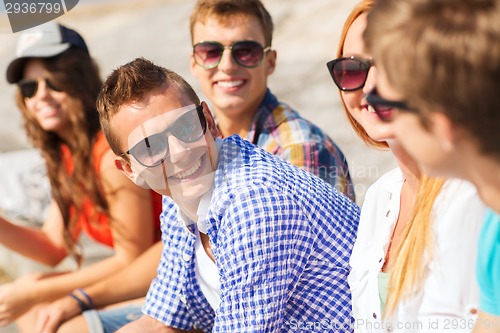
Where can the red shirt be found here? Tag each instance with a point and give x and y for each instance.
(97, 225)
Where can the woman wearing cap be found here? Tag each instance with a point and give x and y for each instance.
(412, 266)
(58, 84)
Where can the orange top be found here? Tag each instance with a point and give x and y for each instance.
(97, 225)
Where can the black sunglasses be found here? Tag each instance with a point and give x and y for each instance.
(153, 150)
(386, 110)
(349, 73)
(29, 88)
(246, 53)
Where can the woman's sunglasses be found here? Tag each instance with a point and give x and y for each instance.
(29, 88)
(349, 73)
(245, 53)
(386, 110)
(153, 150)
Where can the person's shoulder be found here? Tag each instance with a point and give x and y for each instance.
(250, 163)
(285, 115)
(456, 192)
(458, 212)
(390, 181)
(236, 153)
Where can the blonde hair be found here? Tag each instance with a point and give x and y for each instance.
(414, 251)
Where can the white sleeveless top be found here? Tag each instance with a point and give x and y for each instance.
(207, 274)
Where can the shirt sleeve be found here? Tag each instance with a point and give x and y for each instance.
(263, 245)
(162, 301)
(450, 291)
(488, 265)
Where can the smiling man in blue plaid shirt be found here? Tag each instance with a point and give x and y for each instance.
(251, 242)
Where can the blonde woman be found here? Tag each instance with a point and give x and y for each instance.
(413, 261)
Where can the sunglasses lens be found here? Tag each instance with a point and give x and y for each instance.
(28, 88)
(350, 74)
(150, 151)
(51, 85)
(189, 128)
(248, 53)
(208, 54)
(245, 53)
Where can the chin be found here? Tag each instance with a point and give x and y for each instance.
(379, 137)
(51, 125)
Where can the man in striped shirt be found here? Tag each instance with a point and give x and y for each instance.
(232, 58)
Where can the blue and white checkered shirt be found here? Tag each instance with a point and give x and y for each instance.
(281, 239)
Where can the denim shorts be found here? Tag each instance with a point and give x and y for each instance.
(109, 321)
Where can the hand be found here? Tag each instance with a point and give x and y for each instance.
(148, 324)
(55, 314)
(16, 298)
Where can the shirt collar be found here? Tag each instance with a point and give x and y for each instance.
(205, 201)
(266, 107)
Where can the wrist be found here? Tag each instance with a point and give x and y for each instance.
(69, 307)
(82, 299)
(86, 298)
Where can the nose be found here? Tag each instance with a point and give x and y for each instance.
(42, 90)
(371, 80)
(178, 150)
(227, 63)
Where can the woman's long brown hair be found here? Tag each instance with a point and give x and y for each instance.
(77, 75)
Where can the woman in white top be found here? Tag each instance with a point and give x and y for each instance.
(413, 262)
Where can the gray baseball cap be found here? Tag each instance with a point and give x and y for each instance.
(43, 41)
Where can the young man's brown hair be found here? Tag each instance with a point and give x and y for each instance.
(131, 83)
(225, 10)
(453, 47)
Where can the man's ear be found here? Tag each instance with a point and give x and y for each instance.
(271, 61)
(193, 66)
(444, 130)
(212, 127)
(127, 170)
(124, 167)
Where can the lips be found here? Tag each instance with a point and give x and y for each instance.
(47, 111)
(189, 172)
(230, 84)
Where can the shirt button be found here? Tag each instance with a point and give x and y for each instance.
(183, 299)
(186, 256)
(473, 311)
(388, 213)
(374, 315)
